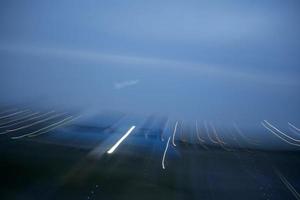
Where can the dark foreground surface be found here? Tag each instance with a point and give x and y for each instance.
(48, 154)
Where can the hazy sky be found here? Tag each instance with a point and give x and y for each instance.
(191, 59)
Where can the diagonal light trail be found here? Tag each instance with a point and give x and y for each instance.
(281, 131)
(115, 146)
(293, 126)
(37, 122)
(9, 110)
(247, 139)
(28, 119)
(53, 126)
(13, 114)
(32, 134)
(16, 121)
(287, 184)
(283, 139)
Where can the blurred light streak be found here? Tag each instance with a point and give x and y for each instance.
(298, 145)
(221, 143)
(44, 128)
(247, 139)
(207, 132)
(164, 156)
(13, 114)
(113, 148)
(25, 120)
(298, 129)
(37, 122)
(216, 134)
(174, 132)
(17, 121)
(287, 184)
(281, 131)
(197, 133)
(9, 110)
(56, 125)
(162, 134)
(201, 141)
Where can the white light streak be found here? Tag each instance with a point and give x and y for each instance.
(16, 121)
(164, 156)
(281, 132)
(53, 126)
(32, 134)
(13, 114)
(287, 184)
(296, 128)
(298, 145)
(174, 132)
(113, 148)
(37, 122)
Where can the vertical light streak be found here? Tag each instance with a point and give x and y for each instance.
(173, 137)
(164, 156)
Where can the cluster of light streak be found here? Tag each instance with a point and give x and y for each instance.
(30, 123)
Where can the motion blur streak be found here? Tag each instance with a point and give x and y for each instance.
(164, 156)
(197, 133)
(287, 184)
(37, 122)
(249, 140)
(55, 125)
(296, 128)
(13, 114)
(6, 111)
(28, 119)
(113, 148)
(174, 132)
(32, 133)
(207, 131)
(262, 123)
(281, 132)
(17, 121)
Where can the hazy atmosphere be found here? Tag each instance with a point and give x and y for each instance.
(189, 59)
(150, 100)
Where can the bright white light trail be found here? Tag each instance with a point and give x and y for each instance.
(113, 148)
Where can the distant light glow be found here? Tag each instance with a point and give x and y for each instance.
(113, 148)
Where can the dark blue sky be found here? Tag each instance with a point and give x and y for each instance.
(232, 60)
